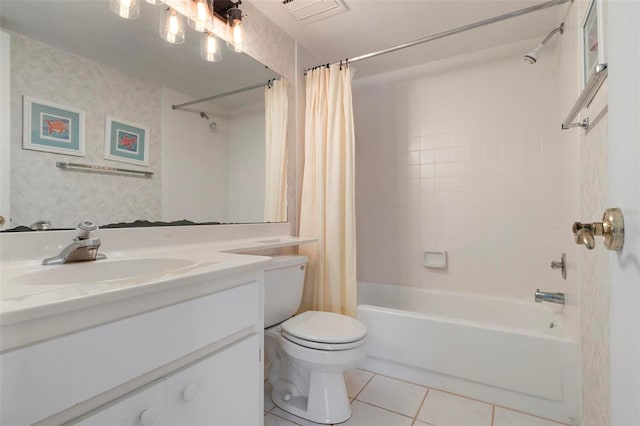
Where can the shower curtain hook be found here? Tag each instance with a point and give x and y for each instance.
(340, 64)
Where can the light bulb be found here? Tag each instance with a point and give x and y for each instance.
(199, 16)
(234, 25)
(209, 50)
(172, 27)
(128, 9)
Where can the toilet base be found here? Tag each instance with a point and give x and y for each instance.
(326, 407)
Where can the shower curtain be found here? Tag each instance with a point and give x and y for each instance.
(275, 182)
(328, 199)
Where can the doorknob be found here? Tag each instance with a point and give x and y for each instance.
(611, 229)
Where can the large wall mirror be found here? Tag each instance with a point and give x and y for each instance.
(80, 56)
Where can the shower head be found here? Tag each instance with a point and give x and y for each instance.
(532, 56)
(212, 124)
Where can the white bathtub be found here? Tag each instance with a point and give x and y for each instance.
(510, 353)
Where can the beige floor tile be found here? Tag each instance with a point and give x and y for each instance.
(355, 380)
(445, 409)
(271, 420)
(297, 420)
(506, 417)
(394, 395)
(368, 415)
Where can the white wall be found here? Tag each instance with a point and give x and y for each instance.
(465, 155)
(247, 167)
(195, 178)
(5, 123)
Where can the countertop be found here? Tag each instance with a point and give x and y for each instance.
(39, 302)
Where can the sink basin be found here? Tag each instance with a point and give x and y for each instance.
(98, 271)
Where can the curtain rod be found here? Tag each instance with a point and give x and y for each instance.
(457, 30)
(222, 95)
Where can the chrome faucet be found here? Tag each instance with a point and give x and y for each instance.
(543, 296)
(84, 247)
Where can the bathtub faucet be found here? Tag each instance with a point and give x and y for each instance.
(543, 296)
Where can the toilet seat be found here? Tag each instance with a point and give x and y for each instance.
(324, 331)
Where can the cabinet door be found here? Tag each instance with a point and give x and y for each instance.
(144, 408)
(224, 389)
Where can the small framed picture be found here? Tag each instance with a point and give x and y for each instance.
(52, 127)
(126, 142)
(593, 32)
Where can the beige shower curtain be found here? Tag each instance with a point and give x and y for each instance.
(328, 199)
(275, 182)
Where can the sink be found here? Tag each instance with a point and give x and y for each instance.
(98, 271)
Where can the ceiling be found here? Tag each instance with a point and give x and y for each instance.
(372, 25)
(89, 29)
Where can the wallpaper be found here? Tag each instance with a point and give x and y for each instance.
(40, 190)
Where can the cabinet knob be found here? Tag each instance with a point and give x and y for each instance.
(189, 392)
(148, 416)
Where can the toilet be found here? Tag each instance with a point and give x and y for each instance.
(308, 353)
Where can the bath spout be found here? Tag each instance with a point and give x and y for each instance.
(543, 296)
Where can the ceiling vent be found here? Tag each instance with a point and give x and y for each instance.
(308, 11)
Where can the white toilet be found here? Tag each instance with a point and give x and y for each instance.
(309, 352)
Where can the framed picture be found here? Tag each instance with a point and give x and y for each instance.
(593, 31)
(126, 142)
(52, 127)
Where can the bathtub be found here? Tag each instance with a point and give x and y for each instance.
(503, 351)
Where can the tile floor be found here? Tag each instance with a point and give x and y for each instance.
(379, 400)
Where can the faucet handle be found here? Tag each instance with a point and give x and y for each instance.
(86, 228)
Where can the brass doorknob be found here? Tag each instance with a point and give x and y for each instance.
(611, 229)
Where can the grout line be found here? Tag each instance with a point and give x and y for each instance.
(493, 414)
(532, 415)
(280, 417)
(395, 378)
(415, 418)
(365, 385)
(386, 409)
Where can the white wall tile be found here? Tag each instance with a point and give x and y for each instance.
(500, 162)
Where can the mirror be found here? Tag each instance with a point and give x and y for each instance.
(79, 56)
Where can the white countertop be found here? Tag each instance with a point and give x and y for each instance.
(30, 291)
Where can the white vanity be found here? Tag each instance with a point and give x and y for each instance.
(171, 334)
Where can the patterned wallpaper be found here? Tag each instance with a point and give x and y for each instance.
(39, 190)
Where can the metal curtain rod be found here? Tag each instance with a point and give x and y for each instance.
(221, 95)
(464, 28)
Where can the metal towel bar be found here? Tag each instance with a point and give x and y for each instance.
(585, 98)
(93, 168)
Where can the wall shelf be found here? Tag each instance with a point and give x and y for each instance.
(585, 98)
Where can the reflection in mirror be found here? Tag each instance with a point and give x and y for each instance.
(80, 55)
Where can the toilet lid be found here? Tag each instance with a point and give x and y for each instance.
(323, 346)
(324, 327)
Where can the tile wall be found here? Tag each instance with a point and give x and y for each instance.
(465, 155)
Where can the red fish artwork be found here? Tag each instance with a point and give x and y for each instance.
(56, 126)
(128, 142)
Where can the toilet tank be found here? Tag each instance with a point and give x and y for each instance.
(283, 285)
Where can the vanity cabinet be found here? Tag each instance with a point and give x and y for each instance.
(218, 390)
(144, 408)
(197, 362)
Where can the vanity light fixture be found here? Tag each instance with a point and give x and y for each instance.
(172, 27)
(128, 9)
(199, 15)
(209, 49)
(234, 26)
